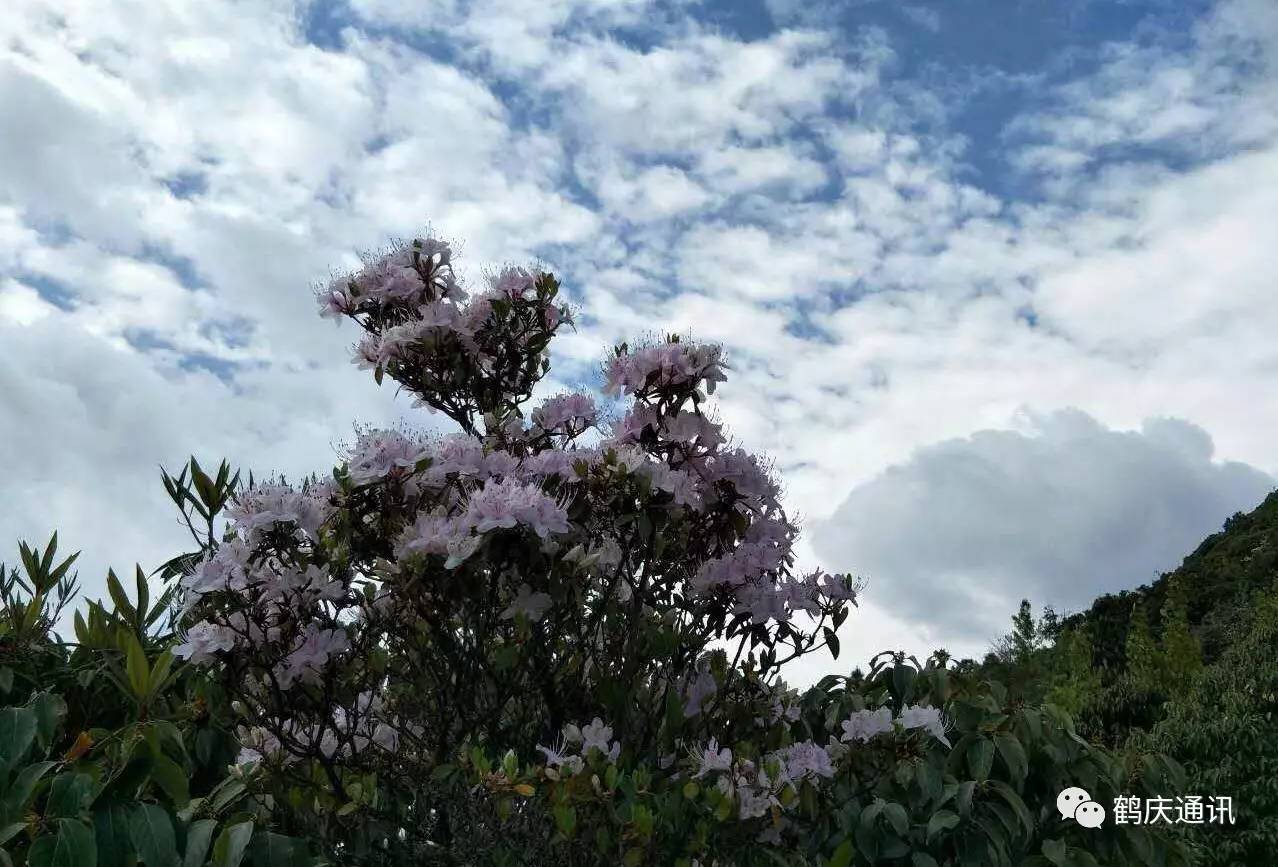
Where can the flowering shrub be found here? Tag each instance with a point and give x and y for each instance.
(552, 637)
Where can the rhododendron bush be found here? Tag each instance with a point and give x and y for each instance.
(556, 634)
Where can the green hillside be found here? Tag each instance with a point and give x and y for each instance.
(1222, 576)
(1186, 666)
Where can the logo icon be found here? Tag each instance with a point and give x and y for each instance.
(1074, 803)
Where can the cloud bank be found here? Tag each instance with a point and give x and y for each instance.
(1058, 513)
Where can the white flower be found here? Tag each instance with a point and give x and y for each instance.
(531, 605)
(926, 718)
(865, 724)
(203, 640)
(807, 759)
(715, 759)
(598, 735)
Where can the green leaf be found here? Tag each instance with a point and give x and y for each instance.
(8, 832)
(159, 673)
(276, 850)
(69, 795)
(1014, 801)
(198, 839)
(842, 856)
(224, 794)
(144, 592)
(136, 666)
(1054, 851)
(565, 819)
(73, 846)
(1014, 755)
(111, 831)
(964, 800)
(903, 683)
(228, 851)
(922, 859)
(14, 803)
(6, 679)
(980, 757)
(122, 605)
(49, 709)
(832, 640)
(942, 820)
(151, 830)
(17, 731)
(172, 779)
(899, 819)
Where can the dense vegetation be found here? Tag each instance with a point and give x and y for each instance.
(1186, 666)
(550, 639)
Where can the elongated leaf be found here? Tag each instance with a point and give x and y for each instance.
(17, 731)
(151, 831)
(159, 673)
(111, 831)
(13, 804)
(136, 666)
(1014, 801)
(172, 779)
(122, 605)
(275, 850)
(69, 795)
(49, 710)
(144, 592)
(942, 820)
(980, 757)
(72, 846)
(228, 851)
(198, 838)
(1014, 755)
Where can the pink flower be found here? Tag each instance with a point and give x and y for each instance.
(203, 640)
(431, 533)
(714, 759)
(503, 504)
(807, 759)
(632, 425)
(701, 688)
(266, 506)
(383, 454)
(306, 662)
(689, 426)
(224, 569)
(665, 364)
(865, 724)
(576, 411)
(513, 282)
(531, 605)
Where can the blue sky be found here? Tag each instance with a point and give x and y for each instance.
(996, 278)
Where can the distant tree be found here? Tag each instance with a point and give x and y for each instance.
(1142, 654)
(1076, 679)
(1182, 653)
(1224, 730)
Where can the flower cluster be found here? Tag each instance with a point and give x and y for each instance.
(569, 756)
(863, 725)
(567, 412)
(663, 365)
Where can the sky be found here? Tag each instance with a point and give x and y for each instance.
(996, 278)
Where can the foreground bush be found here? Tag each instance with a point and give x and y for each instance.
(544, 638)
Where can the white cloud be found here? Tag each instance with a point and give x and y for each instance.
(1059, 514)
